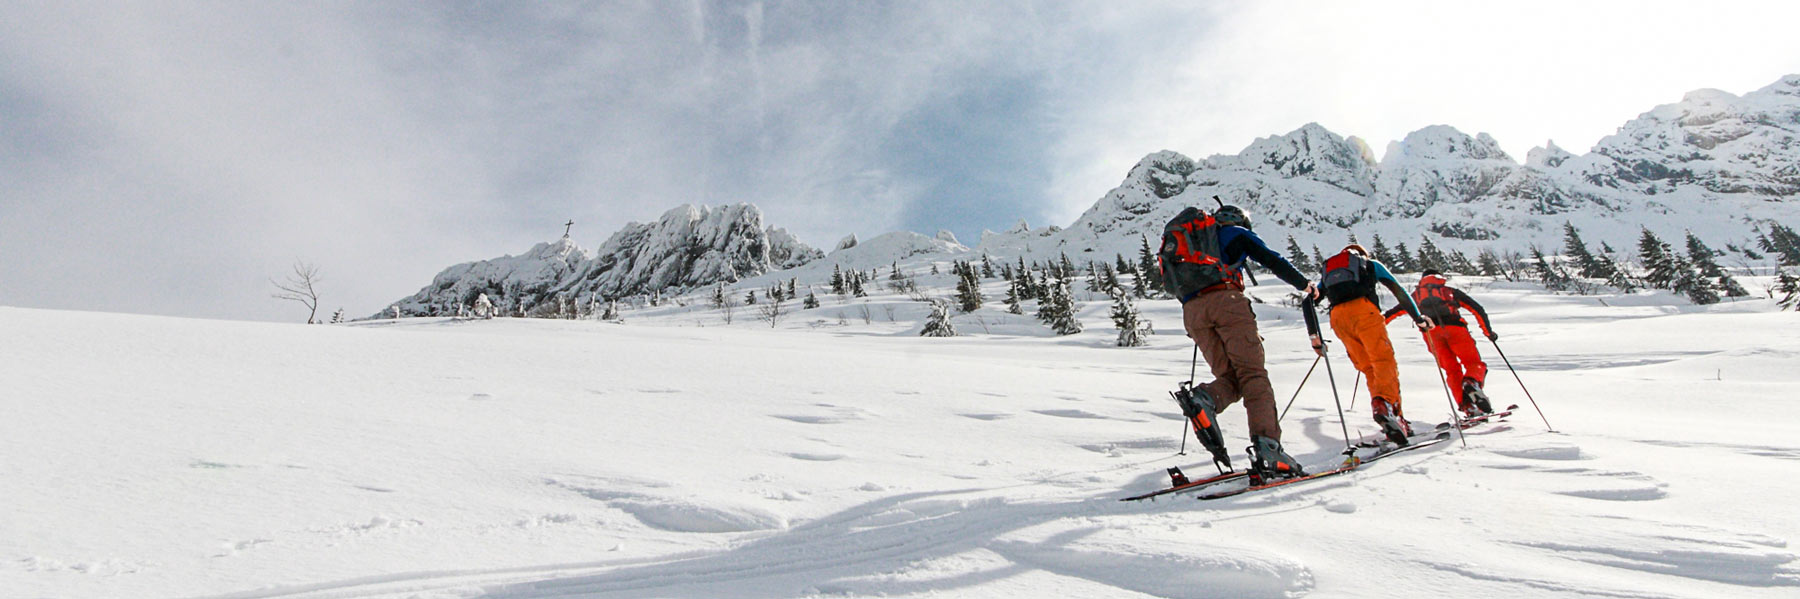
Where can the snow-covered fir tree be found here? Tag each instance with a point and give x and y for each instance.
(968, 286)
(937, 323)
(1787, 289)
(1576, 250)
(1705, 261)
(484, 307)
(1057, 308)
(810, 302)
(1125, 319)
(1012, 298)
(1661, 268)
(837, 280)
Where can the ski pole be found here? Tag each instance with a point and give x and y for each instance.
(1355, 388)
(1312, 327)
(1303, 380)
(1454, 412)
(1193, 366)
(1515, 373)
(1184, 431)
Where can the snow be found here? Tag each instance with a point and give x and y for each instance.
(674, 455)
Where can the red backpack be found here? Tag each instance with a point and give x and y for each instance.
(1190, 255)
(1348, 276)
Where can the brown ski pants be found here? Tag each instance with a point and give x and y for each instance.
(1224, 328)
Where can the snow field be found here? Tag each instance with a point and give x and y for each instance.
(163, 457)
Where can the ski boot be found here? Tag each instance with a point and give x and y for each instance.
(1472, 394)
(1269, 462)
(1199, 408)
(1393, 424)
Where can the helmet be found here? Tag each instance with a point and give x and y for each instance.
(1232, 216)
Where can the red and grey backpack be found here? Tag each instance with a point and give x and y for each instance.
(1190, 256)
(1348, 276)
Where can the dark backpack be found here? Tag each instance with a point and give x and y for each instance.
(1190, 255)
(1347, 276)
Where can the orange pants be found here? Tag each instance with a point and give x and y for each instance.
(1457, 355)
(1359, 325)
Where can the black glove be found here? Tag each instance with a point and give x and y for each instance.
(1493, 336)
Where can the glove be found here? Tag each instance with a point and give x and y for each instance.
(1311, 292)
(1424, 324)
(1318, 345)
(1493, 336)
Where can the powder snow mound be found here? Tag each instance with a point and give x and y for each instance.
(891, 247)
(689, 246)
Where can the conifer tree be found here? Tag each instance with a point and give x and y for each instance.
(1488, 264)
(856, 285)
(968, 286)
(750, 297)
(810, 302)
(1430, 257)
(1382, 253)
(1138, 286)
(1788, 285)
(1553, 277)
(937, 324)
(987, 266)
(1403, 259)
(1704, 260)
(1577, 251)
(1093, 281)
(1298, 257)
(1318, 259)
(1120, 265)
(1125, 319)
(1012, 298)
(1660, 267)
(1057, 310)
(1146, 258)
(934, 268)
(1786, 242)
(837, 280)
(1459, 262)
(612, 310)
(1109, 280)
(1066, 268)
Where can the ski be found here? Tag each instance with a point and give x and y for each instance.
(1489, 417)
(1351, 463)
(1348, 465)
(1177, 484)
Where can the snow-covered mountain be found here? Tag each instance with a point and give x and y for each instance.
(1714, 163)
(690, 246)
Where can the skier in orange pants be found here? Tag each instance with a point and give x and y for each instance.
(1349, 284)
(1449, 340)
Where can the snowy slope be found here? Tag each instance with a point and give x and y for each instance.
(677, 456)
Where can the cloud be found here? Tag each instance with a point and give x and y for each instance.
(171, 157)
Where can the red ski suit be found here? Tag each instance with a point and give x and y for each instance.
(1449, 340)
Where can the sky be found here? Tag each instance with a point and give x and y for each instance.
(174, 157)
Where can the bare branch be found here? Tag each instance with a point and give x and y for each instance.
(300, 287)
